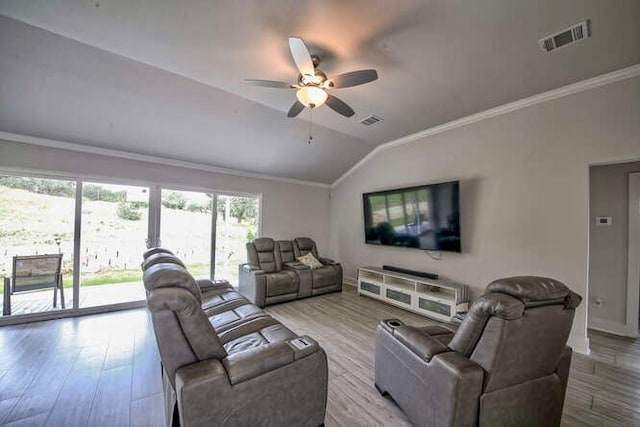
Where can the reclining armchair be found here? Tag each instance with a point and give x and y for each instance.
(506, 364)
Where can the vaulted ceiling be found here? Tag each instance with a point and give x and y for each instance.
(165, 78)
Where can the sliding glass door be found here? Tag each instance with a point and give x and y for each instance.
(36, 244)
(236, 224)
(209, 231)
(115, 226)
(186, 228)
(70, 244)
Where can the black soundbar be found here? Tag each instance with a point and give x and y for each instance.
(412, 272)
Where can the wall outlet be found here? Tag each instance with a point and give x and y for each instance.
(604, 221)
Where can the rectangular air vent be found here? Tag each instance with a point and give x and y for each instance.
(564, 38)
(371, 120)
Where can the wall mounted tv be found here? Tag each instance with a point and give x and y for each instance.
(424, 217)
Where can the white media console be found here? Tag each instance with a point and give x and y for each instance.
(438, 299)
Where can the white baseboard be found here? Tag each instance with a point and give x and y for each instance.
(609, 326)
(579, 344)
(351, 281)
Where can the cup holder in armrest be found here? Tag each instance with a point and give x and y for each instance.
(303, 346)
(391, 324)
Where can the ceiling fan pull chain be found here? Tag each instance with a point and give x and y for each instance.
(310, 140)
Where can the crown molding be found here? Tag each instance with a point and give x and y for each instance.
(52, 143)
(594, 82)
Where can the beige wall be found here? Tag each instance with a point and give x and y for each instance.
(288, 210)
(609, 190)
(524, 190)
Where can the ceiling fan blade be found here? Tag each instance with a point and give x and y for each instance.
(301, 56)
(354, 78)
(339, 106)
(295, 109)
(269, 83)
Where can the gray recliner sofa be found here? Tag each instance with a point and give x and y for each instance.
(225, 361)
(273, 275)
(506, 364)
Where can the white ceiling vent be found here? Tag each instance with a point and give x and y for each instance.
(566, 37)
(371, 120)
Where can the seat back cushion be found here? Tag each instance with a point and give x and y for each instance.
(262, 252)
(523, 349)
(168, 275)
(183, 332)
(161, 258)
(285, 247)
(518, 330)
(303, 246)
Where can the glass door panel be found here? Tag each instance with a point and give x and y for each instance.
(236, 224)
(185, 228)
(113, 238)
(36, 219)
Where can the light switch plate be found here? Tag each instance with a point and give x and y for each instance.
(604, 221)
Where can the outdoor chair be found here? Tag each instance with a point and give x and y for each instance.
(31, 273)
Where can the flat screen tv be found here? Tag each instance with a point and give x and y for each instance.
(424, 217)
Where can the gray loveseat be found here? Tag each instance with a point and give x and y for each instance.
(272, 274)
(225, 361)
(506, 364)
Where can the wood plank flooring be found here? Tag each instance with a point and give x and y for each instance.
(104, 370)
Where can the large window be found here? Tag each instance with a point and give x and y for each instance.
(36, 218)
(185, 228)
(115, 227)
(99, 231)
(236, 224)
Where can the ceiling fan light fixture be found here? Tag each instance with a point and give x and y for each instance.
(311, 96)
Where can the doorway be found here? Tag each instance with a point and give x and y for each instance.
(614, 249)
(115, 224)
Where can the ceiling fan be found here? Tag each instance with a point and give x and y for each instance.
(313, 84)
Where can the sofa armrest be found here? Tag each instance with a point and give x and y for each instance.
(252, 284)
(422, 345)
(250, 268)
(327, 261)
(244, 365)
(195, 384)
(449, 378)
(295, 266)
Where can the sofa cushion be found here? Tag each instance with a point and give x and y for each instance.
(213, 303)
(282, 282)
(325, 276)
(303, 246)
(285, 247)
(262, 252)
(235, 316)
(270, 334)
(169, 275)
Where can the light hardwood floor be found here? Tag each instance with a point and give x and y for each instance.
(104, 370)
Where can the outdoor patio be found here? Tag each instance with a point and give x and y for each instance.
(90, 296)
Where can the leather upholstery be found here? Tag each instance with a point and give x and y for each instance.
(285, 247)
(160, 258)
(155, 250)
(282, 282)
(304, 245)
(261, 252)
(170, 275)
(273, 275)
(225, 361)
(513, 344)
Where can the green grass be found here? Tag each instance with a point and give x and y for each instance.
(111, 246)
